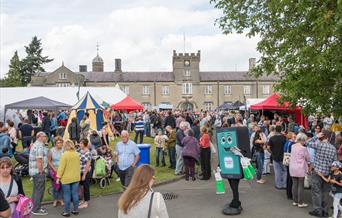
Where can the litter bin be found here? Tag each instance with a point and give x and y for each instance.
(144, 154)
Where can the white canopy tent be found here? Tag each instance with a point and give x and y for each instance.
(251, 101)
(67, 95)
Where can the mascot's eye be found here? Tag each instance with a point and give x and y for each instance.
(229, 140)
(223, 140)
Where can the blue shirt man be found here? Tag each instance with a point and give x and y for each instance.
(127, 156)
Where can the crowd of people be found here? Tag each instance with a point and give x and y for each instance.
(298, 155)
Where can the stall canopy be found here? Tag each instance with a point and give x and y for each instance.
(236, 105)
(41, 103)
(128, 104)
(271, 103)
(226, 106)
(94, 109)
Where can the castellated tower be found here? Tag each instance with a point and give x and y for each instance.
(186, 67)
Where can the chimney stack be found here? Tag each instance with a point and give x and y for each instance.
(83, 68)
(117, 65)
(252, 62)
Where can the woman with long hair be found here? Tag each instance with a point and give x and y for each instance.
(68, 174)
(7, 177)
(85, 163)
(139, 200)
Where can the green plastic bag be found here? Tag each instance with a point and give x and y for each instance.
(100, 167)
(248, 170)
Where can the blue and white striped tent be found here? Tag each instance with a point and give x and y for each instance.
(90, 105)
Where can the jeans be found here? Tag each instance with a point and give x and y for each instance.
(267, 162)
(148, 129)
(337, 206)
(160, 153)
(86, 186)
(126, 176)
(26, 141)
(320, 194)
(298, 189)
(172, 156)
(70, 192)
(38, 191)
(141, 134)
(179, 161)
(280, 174)
(260, 157)
(205, 163)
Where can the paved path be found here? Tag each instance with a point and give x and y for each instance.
(198, 200)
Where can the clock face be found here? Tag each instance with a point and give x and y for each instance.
(186, 63)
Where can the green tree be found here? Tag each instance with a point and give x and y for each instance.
(34, 60)
(13, 77)
(301, 43)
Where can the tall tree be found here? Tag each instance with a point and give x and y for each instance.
(34, 60)
(301, 42)
(13, 77)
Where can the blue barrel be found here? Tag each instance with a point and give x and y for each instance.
(144, 154)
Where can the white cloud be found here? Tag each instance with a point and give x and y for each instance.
(143, 35)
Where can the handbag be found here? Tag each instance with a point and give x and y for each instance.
(212, 148)
(287, 155)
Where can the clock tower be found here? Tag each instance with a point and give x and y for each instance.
(186, 67)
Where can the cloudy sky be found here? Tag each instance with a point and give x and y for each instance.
(142, 33)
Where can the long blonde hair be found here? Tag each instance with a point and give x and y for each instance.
(137, 189)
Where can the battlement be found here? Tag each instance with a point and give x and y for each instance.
(186, 55)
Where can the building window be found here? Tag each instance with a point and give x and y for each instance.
(62, 84)
(208, 106)
(62, 76)
(146, 105)
(227, 90)
(165, 90)
(187, 73)
(146, 90)
(125, 89)
(266, 90)
(208, 90)
(247, 90)
(187, 89)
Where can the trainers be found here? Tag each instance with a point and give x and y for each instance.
(294, 203)
(302, 205)
(40, 212)
(261, 181)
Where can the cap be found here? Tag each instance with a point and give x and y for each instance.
(337, 164)
(41, 133)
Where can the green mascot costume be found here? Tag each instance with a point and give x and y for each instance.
(233, 145)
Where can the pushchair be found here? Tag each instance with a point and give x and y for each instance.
(21, 168)
(100, 172)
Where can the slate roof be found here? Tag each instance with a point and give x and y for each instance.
(232, 76)
(165, 76)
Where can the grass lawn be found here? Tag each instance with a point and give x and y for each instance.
(162, 174)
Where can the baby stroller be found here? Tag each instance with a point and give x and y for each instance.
(100, 172)
(21, 168)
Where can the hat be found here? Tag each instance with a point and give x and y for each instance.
(41, 133)
(337, 164)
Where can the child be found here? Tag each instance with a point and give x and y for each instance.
(267, 162)
(159, 141)
(335, 178)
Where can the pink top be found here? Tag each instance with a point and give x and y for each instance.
(299, 160)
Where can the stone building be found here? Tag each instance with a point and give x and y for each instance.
(184, 87)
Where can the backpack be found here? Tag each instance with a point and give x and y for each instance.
(100, 167)
(24, 207)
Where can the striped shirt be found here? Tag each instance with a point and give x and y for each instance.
(139, 125)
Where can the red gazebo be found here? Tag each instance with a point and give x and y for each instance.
(271, 103)
(128, 104)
